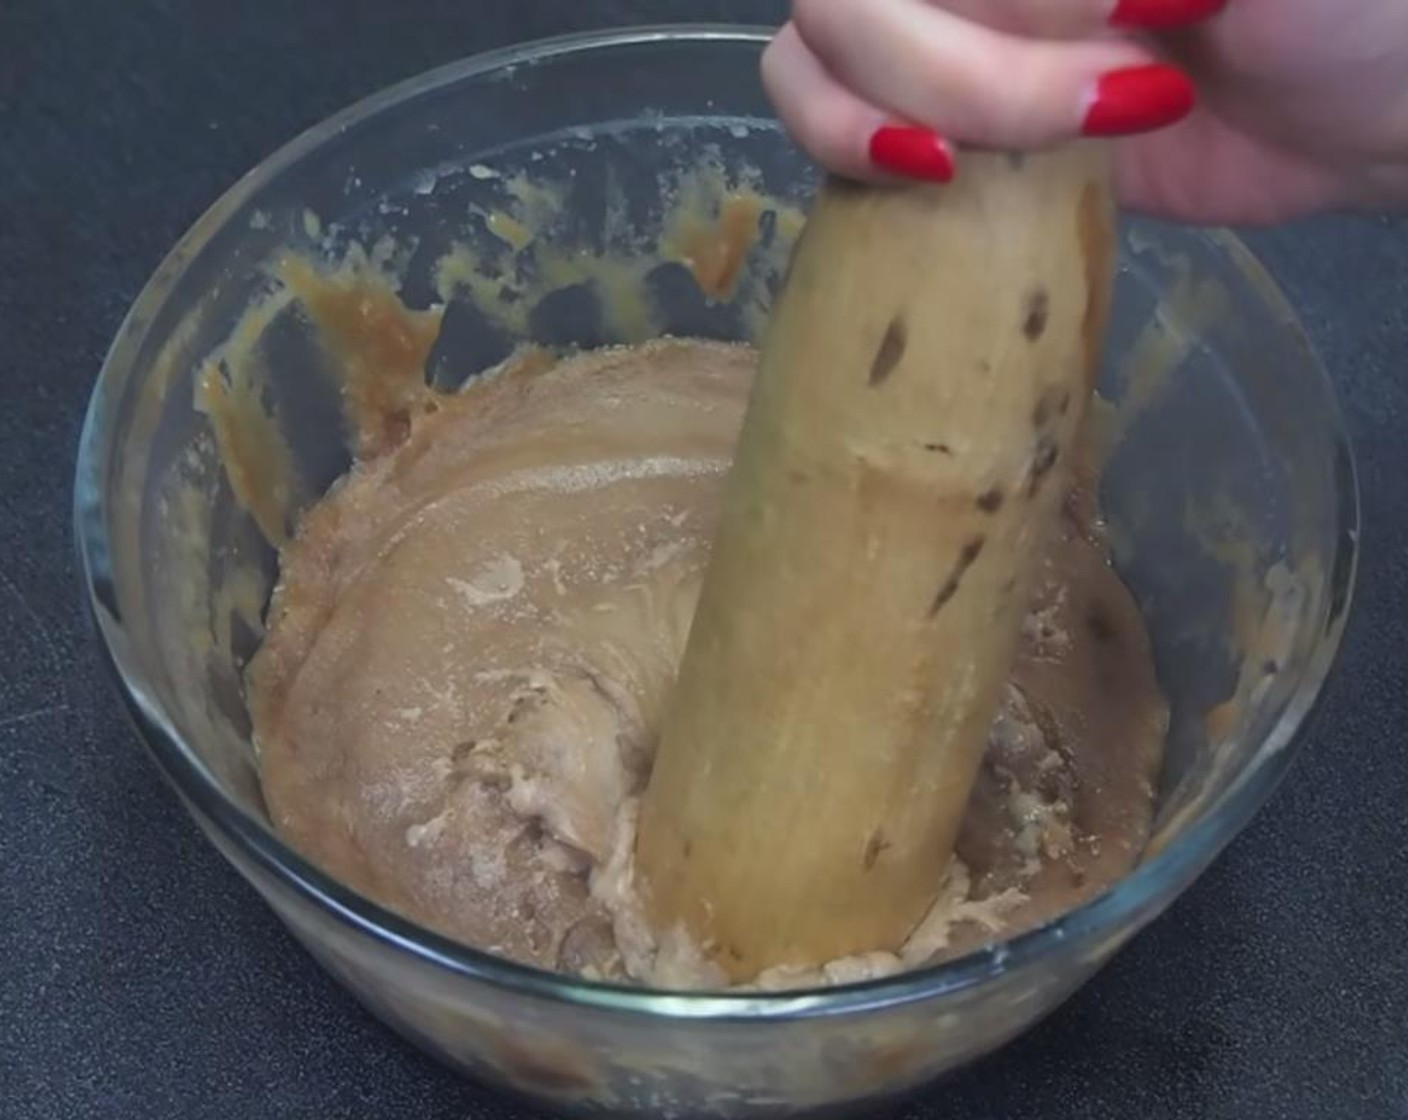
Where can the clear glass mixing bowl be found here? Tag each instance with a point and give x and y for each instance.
(1230, 493)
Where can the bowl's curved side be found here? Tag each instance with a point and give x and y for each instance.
(631, 1048)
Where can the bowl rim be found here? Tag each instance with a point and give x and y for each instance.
(1104, 916)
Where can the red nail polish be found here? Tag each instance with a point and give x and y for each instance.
(915, 153)
(1158, 14)
(1138, 99)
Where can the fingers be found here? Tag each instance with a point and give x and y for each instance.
(979, 86)
(1067, 19)
(877, 88)
(838, 128)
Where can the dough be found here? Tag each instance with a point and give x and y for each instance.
(456, 701)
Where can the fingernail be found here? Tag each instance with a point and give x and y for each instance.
(915, 153)
(1158, 14)
(1138, 99)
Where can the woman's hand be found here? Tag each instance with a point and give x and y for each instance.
(1302, 105)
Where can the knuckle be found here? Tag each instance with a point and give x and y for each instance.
(812, 17)
(819, 137)
(1017, 111)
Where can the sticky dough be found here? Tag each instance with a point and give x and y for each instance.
(456, 702)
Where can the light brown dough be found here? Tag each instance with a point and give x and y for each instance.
(456, 702)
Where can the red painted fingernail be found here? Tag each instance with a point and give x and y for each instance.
(1158, 14)
(915, 153)
(1138, 99)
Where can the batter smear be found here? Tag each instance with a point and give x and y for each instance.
(474, 633)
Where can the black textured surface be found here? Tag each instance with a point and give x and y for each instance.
(140, 977)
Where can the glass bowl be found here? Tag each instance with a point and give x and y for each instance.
(1229, 490)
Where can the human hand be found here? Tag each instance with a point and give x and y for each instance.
(1302, 105)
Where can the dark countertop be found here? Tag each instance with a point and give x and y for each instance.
(140, 977)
